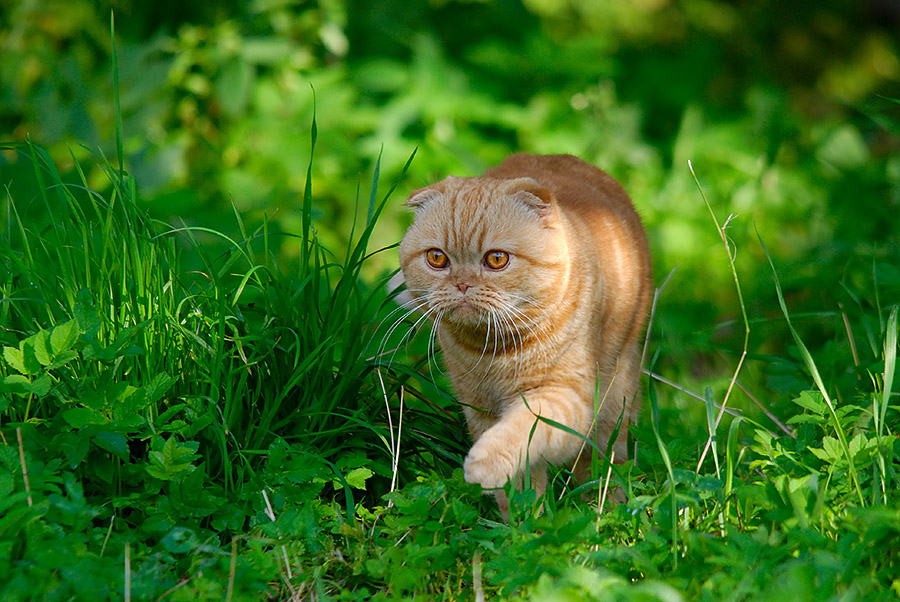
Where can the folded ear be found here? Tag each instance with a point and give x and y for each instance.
(422, 196)
(533, 195)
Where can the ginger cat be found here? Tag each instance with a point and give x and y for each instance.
(537, 278)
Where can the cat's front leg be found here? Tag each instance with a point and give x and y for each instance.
(519, 439)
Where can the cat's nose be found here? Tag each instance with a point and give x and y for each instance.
(463, 288)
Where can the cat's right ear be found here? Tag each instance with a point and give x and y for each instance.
(423, 196)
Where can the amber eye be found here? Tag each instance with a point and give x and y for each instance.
(496, 260)
(436, 258)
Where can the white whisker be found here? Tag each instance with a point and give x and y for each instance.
(539, 340)
(518, 348)
(486, 341)
(417, 304)
(431, 349)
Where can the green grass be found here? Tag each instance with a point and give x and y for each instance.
(184, 425)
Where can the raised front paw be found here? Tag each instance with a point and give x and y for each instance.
(489, 465)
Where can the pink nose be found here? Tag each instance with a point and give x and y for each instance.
(463, 288)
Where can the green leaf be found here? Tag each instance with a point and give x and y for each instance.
(173, 460)
(832, 446)
(93, 400)
(861, 444)
(890, 366)
(180, 540)
(158, 387)
(197, 425)
(32, 363)
(158, 469)
(81, 417)
(132, 401)
(169, 414)
(41, 385)
(16, 359)
(16, 383)
(115, 443)
(812, 401)
(62, 359)
(709, 483)
(830, 451)
(86, 314)
(356, 478)
(817, 377)
(40, 342)
(806, 419)
(821, 454)
(75, 446)
(63, 337)
(7, 485)
(23, 360)
(193, 496)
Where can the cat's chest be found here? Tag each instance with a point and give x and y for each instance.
(491, 393)
(488, 382)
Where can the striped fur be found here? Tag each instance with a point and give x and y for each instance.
(562, 320)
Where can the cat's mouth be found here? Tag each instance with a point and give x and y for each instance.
(464, 308)
(465, 312)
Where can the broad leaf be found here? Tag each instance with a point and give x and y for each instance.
(63, 337)
(812, 401)
(173, 460)
(81, 417)
(115, 443)
(16, 359)
(41, 385)
(40, 342)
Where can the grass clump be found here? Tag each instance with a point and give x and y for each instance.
(166, 410)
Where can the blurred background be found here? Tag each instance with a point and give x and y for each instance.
(788, 112)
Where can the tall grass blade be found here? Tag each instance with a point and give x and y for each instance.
(879, 413)
(306, 209)
(814, 372)
(731, 461)
(120, 151)
(737, 285)
(664, 452)
(711, 425)
(890, 366)
(373, 195)
(730, 455)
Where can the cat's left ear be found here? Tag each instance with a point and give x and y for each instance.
(532, 194)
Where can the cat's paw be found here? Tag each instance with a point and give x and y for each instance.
(488, 467)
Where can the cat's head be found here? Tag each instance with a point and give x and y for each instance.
(484, 250)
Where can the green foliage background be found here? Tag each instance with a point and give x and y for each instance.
(205, 320)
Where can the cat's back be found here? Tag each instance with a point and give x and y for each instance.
(585, 192)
